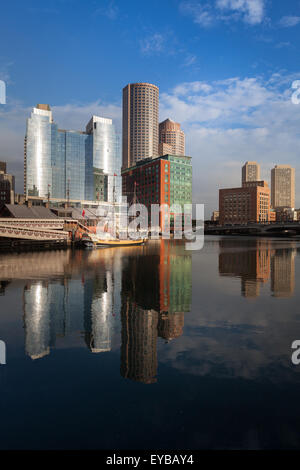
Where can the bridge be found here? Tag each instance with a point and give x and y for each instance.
(260, 229)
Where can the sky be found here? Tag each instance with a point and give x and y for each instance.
(225, 70)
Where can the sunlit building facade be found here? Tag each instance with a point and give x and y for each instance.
(67, 164)
(171, 134)
(140, 122)
(283, 186)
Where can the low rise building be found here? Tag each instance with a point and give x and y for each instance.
(161, 180)
(250, 203)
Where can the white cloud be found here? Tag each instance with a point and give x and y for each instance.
(207, 14)
(226, 123)
(189, 60)
(251, 11)
(289, 21)
(111, 10)
(202, 14)
(235, 120)
(153, 44)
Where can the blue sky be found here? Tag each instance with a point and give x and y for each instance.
(224, 69)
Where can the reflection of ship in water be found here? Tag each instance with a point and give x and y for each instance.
(156, 291)
(255, 261)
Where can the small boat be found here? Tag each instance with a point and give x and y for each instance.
(91, 241)
(117, 242)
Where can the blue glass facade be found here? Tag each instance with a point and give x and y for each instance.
(62, 162)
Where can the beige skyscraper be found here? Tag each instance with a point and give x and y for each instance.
(171, 134)
(283, 186)
(250, 172)
(140, 122)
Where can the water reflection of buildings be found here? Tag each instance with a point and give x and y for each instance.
(60, 307)
(156, 291)
(85, 292)
(283, 272)
(255, 262)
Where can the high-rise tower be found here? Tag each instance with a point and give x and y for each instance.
(283, 186)
(140, 122)
(171, 134)
(250, 172)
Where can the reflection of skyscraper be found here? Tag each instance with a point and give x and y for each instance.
(283, 272)
(156, 290)
(170, 326)
(37, 320)
(102, 300)
(98, 315)
(139, 339)
(252, 266)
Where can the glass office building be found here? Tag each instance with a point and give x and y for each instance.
(72, 164)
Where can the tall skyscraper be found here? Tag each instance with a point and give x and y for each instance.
(171, 134)
(140, 122)
(250, 172)
(3, 167)
(283, 186)
(71, 164)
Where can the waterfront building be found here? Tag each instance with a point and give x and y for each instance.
(140, 123)
(250, 203)
(215, 216)
(171, 134)
(286, 214)
(76, 165)
(7, 186)
(250, 172)
(162, 180)
(283, 186)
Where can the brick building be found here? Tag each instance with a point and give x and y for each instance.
(250, 203)
(162, 180)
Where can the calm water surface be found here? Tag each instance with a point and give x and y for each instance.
(152, 347)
